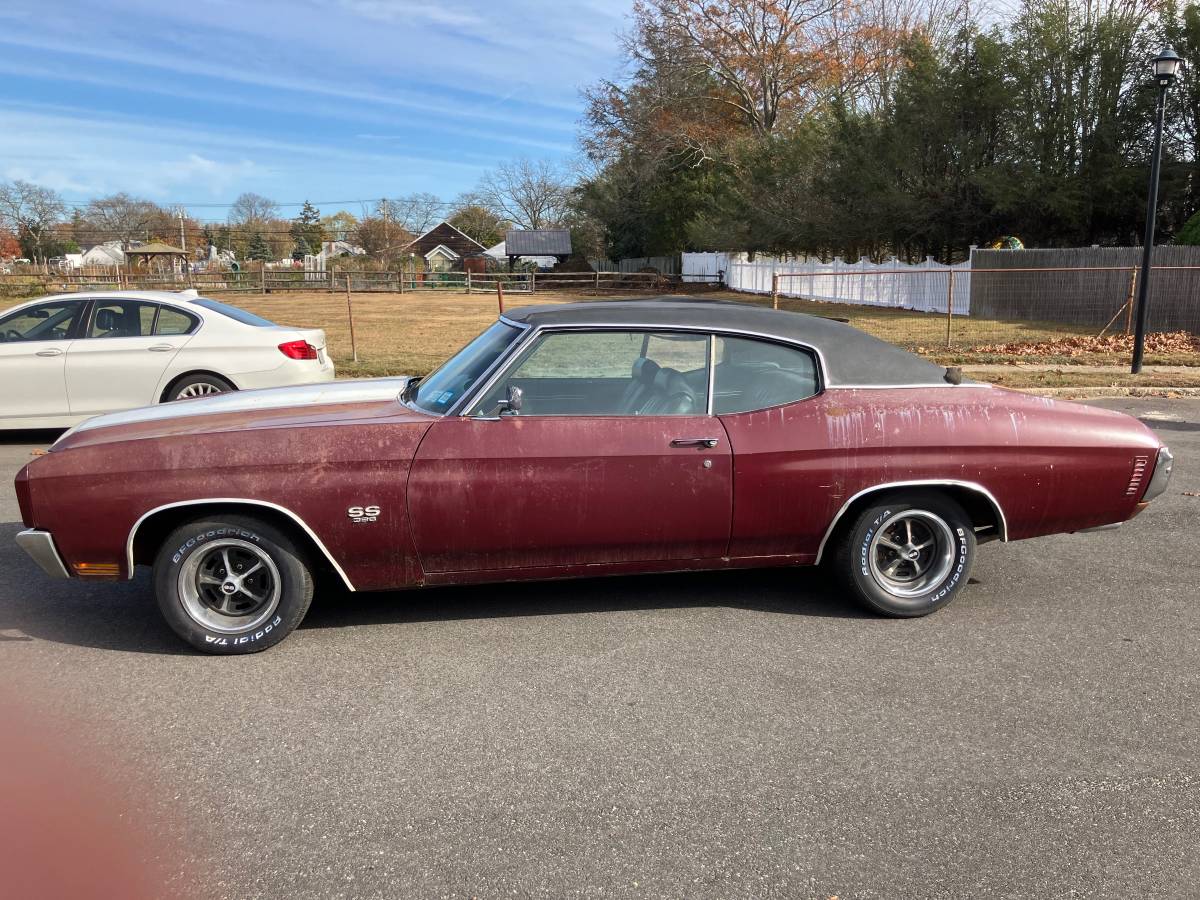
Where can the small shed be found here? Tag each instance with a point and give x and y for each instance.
(444, 248)
(551, 242)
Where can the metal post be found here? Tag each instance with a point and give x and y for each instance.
(468, 281)
(774, 291)
(263, 277)
(949, 304)
(350, 315)
(1139, 334)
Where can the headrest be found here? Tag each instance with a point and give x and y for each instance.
(107, 319)
(644, 369)
(670, 381)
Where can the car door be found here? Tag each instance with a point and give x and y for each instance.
(120, 360)
(34, 343)
(609, 461)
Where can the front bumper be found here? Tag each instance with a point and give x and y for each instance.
(40, 547)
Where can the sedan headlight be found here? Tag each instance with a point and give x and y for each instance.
(1162, 475)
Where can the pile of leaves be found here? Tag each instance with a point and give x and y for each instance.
(1156, 342)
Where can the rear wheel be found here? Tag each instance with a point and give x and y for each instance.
(232, 584)
(200, 385)
(907, 555)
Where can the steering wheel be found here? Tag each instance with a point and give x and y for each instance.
(13, 335)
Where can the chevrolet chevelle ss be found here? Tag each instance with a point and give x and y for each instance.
(577, 440)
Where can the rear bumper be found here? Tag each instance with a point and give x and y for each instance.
(302, 371)
(40, 547)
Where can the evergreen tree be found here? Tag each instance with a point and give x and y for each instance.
(307, 231)
(258, 248)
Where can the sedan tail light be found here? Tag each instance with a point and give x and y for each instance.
(298, 350)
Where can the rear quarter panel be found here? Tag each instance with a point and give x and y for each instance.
(91, 496)
(1052, 466)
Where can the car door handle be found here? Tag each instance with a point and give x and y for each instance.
(695, 442)
(50, 351)
(161, 348)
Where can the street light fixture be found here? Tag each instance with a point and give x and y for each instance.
(1165, 67)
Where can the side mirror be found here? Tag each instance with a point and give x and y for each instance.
(512, 405)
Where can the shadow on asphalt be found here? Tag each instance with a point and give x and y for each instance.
(791, 591)
(123, 616)
(44, 436)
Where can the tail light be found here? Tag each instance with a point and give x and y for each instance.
(298, 350)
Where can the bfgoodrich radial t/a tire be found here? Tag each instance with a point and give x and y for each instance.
(907, 555)
(232, 584)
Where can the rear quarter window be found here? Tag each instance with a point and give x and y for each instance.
(752, 374)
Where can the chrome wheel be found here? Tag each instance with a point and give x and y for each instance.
(911, 553)
(199, 389)
(230, 586)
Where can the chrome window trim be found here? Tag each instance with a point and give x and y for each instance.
(712, 372)
(712, 333)
(932, 482)
(241, 501)
(903, 387)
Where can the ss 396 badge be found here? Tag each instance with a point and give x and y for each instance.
(361, 514)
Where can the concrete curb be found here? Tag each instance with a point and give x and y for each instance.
(1089, 393)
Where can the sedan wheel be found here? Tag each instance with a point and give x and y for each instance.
(909, 556)
(232, 584)
(194, 386)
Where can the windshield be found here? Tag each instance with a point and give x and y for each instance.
(438, 392)
(239, 315)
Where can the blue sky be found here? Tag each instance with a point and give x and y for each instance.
(330, 100)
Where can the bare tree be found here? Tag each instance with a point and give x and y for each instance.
(416, 213)
(32, 212)
(252, 209)
(528, 193)
(121, 218)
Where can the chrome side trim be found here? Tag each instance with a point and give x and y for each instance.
(932, 482)
(40, 547)
(903, 387)
(535, 332)
(241, 501)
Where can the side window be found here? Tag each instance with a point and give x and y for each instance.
(174, 321)
(608, 373)
(752, 374)
(122, 318)
(44, 322)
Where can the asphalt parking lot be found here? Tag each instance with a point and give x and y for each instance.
(720, 735)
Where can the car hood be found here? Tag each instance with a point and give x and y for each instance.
(295, 405)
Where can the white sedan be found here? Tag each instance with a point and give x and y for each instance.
(71, 356)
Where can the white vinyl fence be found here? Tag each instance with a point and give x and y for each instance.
(925, 287)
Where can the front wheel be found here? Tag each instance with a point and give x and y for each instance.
(908, 555)
(232, 584)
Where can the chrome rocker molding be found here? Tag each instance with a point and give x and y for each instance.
(236, 501)
(40, 547)
(969, 485)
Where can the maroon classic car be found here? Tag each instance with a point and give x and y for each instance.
(587, 439)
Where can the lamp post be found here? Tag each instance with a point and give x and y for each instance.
(1165, 67)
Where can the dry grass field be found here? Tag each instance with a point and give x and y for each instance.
(411, 333)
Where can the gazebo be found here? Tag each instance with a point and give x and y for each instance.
(147, 253)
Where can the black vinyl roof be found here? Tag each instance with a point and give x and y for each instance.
(852, 357)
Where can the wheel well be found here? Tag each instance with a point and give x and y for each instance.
(986, 517)
(178, 378)
(152, 531)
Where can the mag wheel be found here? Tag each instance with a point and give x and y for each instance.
(232, 585)
(908, 556)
